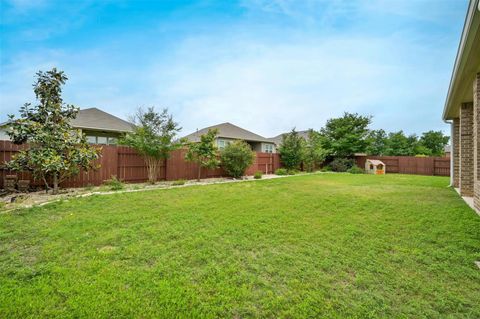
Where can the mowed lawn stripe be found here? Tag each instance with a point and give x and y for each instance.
(332, 245)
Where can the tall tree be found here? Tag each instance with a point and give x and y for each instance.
(435, 141)
(153, 137)
(204, 152)
(398, 144)
(346, 135)
(56, 151)
(377, 142)
(313, 153)
(291, 150)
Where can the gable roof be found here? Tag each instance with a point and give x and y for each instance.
(279, 138)
(228, 130)
(95, 119)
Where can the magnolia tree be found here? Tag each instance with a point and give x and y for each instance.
(313, 152)
(56, 151)
(153, 137)
(204, 152)
(291, 150)
(236, 158)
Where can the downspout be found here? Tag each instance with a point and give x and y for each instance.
(451, 151)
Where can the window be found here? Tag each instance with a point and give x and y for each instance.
(91, 139)
(267, 148)
(101, 140)
(221, 144)
(112, 140)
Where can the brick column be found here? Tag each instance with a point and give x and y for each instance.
(455, 152)
(476, 139)
(466, 150)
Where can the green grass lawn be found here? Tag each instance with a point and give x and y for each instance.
(324, 245)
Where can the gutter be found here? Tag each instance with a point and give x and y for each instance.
(451, 150)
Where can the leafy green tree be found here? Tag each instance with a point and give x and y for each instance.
(398, 144)
(236, 157)
(204, 152)
(377, 142)
(56, 151)
(435, 142)
(154, 138)
(291, 150)
(313, 152)
(346, 135)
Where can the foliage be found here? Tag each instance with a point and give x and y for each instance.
(114, 183)
(341, 164)
(56, 151)
(326, 168)
(431, 143)
(258, 175)
(377, 140)
(355, 170)
(223, 251)
(204, 152)
(153, 137)
(347, 135)
(281, 171)
(313, 152)
(179, 182)
(291, 150)
(236, 157)
(435, 141)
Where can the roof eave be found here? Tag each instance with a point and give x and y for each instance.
(460, 57)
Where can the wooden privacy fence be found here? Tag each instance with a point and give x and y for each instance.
(124, 163)
(434, 166)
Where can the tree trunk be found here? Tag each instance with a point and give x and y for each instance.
(55, 183)
(199, 172)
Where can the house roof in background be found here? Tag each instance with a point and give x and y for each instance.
(228, 130)
(95, 119)
(279, 138)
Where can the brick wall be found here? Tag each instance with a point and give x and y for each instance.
(456, 152)
(476, 125)
(466, 182)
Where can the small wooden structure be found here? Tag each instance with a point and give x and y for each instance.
(376, 167)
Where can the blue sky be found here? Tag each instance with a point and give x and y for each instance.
(267, 66)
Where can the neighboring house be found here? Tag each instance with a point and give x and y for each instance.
(99, 127)
(447, 150)
(279, 138)
(228, 132)
(462, 109)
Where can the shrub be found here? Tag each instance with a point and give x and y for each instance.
(281, 171)
(326, 168)
(341, 164)
(291, 149)
(355, 170)
(292, 171)
(179, 182)
(236, 157)
(114, 184)
(258, 175)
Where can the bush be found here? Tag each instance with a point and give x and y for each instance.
(236, 157)
(292, 171)
(341, 164)
(281, 171)
(179, 182)
(326, 168)
(258, 175)
(355, 170)
(114, 183)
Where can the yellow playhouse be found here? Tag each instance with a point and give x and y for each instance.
(375, 167)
